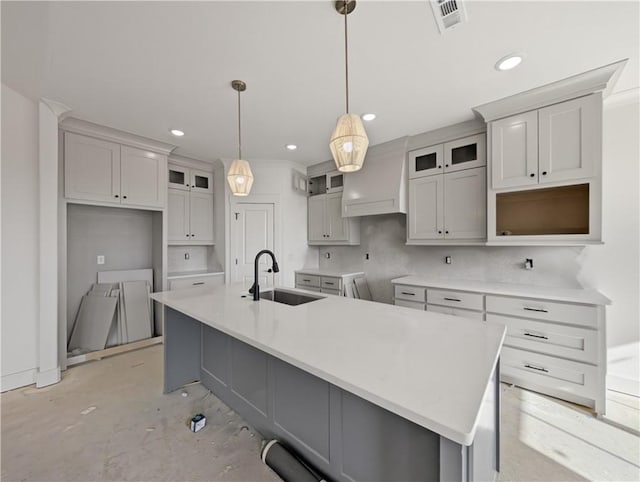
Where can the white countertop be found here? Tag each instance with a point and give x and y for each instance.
(572, 295)
(329, 272)
(430, 368)
(193, 274)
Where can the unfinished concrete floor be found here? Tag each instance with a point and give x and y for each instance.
(108, 420)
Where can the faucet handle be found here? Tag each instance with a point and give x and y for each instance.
(253, 288)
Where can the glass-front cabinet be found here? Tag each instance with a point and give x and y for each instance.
(466, 153)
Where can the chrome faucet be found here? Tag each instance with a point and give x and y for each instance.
(255, 289)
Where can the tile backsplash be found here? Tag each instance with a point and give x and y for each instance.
(384, 239)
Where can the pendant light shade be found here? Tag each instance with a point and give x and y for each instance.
(240, 177)
(349, 141)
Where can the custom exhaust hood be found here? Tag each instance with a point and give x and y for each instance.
(380, 187)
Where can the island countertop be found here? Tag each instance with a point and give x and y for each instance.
(430, 368)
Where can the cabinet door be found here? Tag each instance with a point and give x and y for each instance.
(569, 139)
(514, 151)
(337, 226)
(465, 153)
(316, 218)
(179, 177)
(201, 224)
(91, 169)
(426, 162)
(465, 200)
(426, 210)
(201, 181)
(143, 177)
(178, 216)
(335, 182)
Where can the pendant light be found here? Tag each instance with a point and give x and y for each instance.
(349, 141)
(240, 177)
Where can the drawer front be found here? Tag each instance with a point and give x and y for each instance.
(329, 291)
(308, 288)
(307, 280)
(410, 293)
(447, 310)
(544, 310)
(456, 299)
(179, 284)
(524, 368)
(410, 304)
(331, 283)
(579, 344)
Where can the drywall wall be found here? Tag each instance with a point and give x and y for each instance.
(20, 239)
(200, 258)
(123, 236)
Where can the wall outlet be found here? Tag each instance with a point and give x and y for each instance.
(327, 255)
(186, 255)
(528, 263)
(447, 259)
(100, 259)
(366, 256)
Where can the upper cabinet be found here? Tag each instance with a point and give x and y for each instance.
(457, 155)
(326, 226)
(554, 144)
(106, 172)
(189, 179)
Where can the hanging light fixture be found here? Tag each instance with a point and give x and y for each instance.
(240, 177)
(349, 141)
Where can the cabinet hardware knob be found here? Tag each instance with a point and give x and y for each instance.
(439, 232)
(446, 232)
(544, 173)
(446, 165)
(440, 166)
(187, 235)
(532, 175)
(193, 235)
(124, 197)
(116, 195)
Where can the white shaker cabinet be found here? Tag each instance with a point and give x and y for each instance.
(326, 224)
(107, 172)
(426, 208)
(316, 215)
(201, 217)
(178, 216)
(190, 217)
(465, 204)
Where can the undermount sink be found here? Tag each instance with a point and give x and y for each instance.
(288, 297)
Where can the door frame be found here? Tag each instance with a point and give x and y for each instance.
(273, 199)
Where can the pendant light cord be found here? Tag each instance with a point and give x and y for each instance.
(346, 52)
(239, 130)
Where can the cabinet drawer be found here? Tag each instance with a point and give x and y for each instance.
(456, 299)
(579, 344)
(544, 310)
(307, 280)
(410, 304)
(330, 291)
(331, 283)
(182, 283)
(411, 293)
(447, 310)
(542, 371)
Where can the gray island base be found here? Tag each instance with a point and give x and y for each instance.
(343, 435)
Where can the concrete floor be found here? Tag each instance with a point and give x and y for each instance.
(108, 420)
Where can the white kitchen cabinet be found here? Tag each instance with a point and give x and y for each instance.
(465, 153)
(426, 162)
(107, 172)
(212, 279)
(179, 177)
(190, 179)
(326, 224)
(190, 217)
(329, 282)
(554, 144)
(450, 206)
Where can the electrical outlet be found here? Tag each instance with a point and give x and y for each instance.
(528, 263)
(447, 259)
(366, 256)
(100, 259)
(186, 255)
(327, 255)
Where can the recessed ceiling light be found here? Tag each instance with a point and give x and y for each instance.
(509, 62)
(177, 132)
(291, 147)
(368, 117)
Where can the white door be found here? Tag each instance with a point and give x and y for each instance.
(337, 226)
(514, 151)
(92, 169)
(316, 218)
(465, 200)
(426, 210)
(201, 217)
(142, 177)
(252, 228)
(569, 139)
(178, 216)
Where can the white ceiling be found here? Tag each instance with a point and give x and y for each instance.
(150, 66)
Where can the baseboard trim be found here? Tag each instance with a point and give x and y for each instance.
(624, 385)
(48, 377)
(18, 380)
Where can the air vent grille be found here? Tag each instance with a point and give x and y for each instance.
(448, 13)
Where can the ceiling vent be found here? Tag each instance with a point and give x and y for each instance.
(448, 13)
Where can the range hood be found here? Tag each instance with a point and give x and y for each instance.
(380, 187)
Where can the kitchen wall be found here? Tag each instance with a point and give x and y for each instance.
(20, 239)
(201, 258)
(613, 268)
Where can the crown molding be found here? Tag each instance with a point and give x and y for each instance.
(59, 109)
(601, 79)
(79, 126)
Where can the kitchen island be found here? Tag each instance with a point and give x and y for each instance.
(362, 390)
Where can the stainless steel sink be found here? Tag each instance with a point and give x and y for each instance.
(288, 297)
